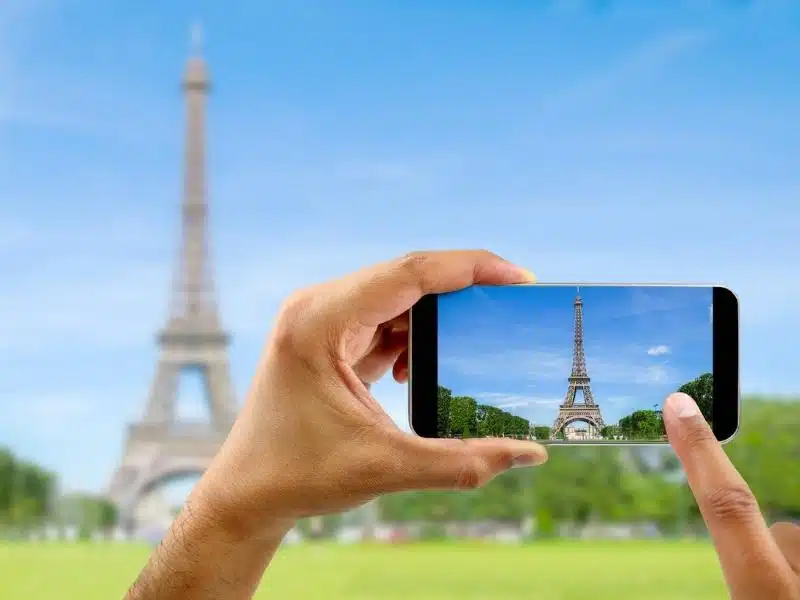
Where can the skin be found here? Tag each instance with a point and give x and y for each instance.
(312, 440)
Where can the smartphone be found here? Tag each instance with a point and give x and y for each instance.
(572, 363)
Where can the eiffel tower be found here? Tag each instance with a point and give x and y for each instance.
(160, 446)
(570, 410)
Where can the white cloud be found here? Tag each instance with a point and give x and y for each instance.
(658, 350)
(619, 399)
(14, 233)
(655, 374)
(614, 371)
(53, 407)
(34, 94)
(515, 404)
(371, 171)
(555, 366)
(107, 284)
(536, 364)
(649, 57)
(46, 412)
(507, 401)
(71, 302)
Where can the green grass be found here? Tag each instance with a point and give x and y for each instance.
(547, 571)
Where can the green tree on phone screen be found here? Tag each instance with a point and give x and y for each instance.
(701, 390)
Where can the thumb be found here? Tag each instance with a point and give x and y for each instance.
(462, 464)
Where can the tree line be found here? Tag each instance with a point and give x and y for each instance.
(579, 485)
(463, 417)
(649, 424)
(614, 484)
(30, 499)
(26, 490)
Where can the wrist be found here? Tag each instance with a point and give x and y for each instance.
(229, 510)
(214, 549)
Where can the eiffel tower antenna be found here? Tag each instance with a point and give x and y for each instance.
(197, 38)
(161, 444)
(571, 410)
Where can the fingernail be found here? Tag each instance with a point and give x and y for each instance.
(682, 406)
(529, 275)
(528, 460)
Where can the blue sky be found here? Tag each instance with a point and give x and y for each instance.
(624, 143)
(511, 347)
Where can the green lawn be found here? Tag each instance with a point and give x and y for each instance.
(546, 571)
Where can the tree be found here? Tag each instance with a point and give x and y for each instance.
(579, 484)
(701, 390)
(7, 469)
(443, 398)
(519, 426)
(495, 422)
(505, 498)
(542, 432)
(610, 431)
(642, 425)
(767, 451)
(26, 490)
(108, 515)
(31, 490)
(491, 421)
(463, 417)
(89, 513)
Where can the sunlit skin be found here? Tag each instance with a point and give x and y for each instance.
(312, 440)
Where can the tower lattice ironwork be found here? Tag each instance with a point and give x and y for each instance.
(161, 444)
(587, 411)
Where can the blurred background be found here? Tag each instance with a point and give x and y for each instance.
(587, 140)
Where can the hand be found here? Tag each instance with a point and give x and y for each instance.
(311, 439)
(759, 563)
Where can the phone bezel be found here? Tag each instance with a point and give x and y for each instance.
(423, 364)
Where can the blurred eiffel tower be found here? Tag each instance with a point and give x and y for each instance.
(160, 446)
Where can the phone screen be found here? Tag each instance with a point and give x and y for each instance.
(571, 363)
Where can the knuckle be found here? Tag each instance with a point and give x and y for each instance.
(415, 265)
(733, 503)
(283, 338)
(287, 335)
(698, 436)
(296, 305)
(504, 460)
(308, 327)
(472, 475)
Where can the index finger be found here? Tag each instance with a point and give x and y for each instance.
(727, 504)
(377, 294)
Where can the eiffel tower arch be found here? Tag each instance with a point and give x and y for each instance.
(587, 411)
(160, 446)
